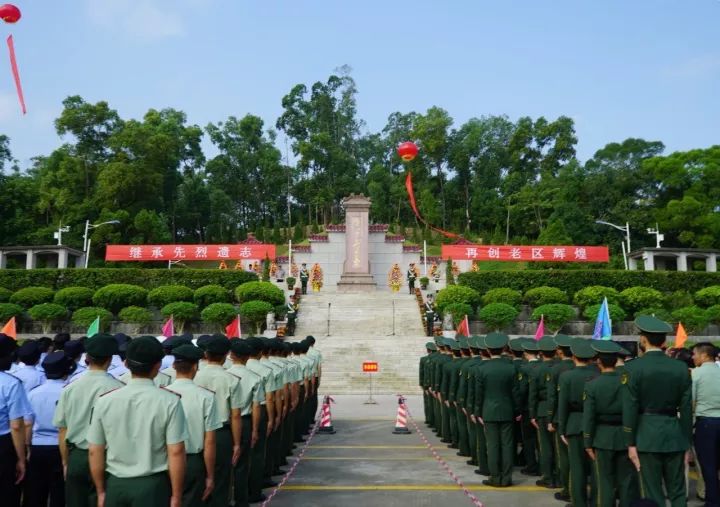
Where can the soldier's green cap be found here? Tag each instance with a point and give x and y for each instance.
(581, 349)
(530, 345)
(449, 342)
(144, 351)
(547, 344)
(496, 340)
(516, 345)
(651, 324)
(188, 352)
(101, 346)
(430, 346)
(481, 343)
(241, 348)
(606, 347)
(218, 345)
(463, 342)
(563, 340)
(438, 341)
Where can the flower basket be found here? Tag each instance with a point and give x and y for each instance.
(316, 277)
(395, 278)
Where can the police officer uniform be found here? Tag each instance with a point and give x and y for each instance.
(29, 354)
(74, 350)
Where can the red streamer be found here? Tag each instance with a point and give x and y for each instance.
(16, 74)
(413, 205)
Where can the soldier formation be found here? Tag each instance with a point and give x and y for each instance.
(142, 423)
(599, 430)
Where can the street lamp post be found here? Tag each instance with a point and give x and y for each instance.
(58, 235)
(658, 237)
(626, 230)
(86, 239)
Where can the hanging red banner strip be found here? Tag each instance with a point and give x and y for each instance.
(509, 253)
(413, 205)
(16, 74)
(148, 253)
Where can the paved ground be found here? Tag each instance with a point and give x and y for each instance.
(364, 464)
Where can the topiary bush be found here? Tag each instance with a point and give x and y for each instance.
(74, 297)
(458, 311)
(255, 313)
(280, 312)
(594, 295)
(167, 294)
(83, 317)
(617, 314)
(260, 291)
(678, 299)
(456, 294)
(209, 294)
(693, 318)
(508, 296)
(713, 314)
(140, 317)
(48, 314)
(10, 310)
(5, 295)
(219, 314)
(498, 316)
(635, 298)
(32, 296)
(545, 296)
(556, 316)
(115, 297)
(709, 296)
(660, 313)
(181, 312)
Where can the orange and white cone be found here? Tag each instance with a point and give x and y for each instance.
(401, 419)
(326, 418)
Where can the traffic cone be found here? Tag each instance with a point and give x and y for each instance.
(326, 420)
(401, 420)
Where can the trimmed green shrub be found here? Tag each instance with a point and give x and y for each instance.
(594, 295)
(220, 314)
(255, 312)
(83, 317)
(135, 315)
(498, 315)
(617, 314)
(116, 296)
(545, 296)
(713, 314)
(31, 296)
(167, 294)
(280, 312)
(290, 281)
(708, 296)
(556, 316)
(8, 311)
(181, 312)
(635, 298)
(693, 318)
(503, 295)
(456, 294)
(48, 314)
(459, 311)
(74, 297)
(424, 281)
(260, 291)
(209, 294)
(678, 299)
(660, 313)
(5, 295)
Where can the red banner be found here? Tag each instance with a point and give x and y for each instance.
(148, 253)
(413, 205)
(530, 253)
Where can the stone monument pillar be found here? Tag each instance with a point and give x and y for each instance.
(356, 276)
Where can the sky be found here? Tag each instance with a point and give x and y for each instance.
(619, 68)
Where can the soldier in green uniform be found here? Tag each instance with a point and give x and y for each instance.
(449, 386)
(497, 396)
(657, 415)
(571, 386)
(461, 398)
(411, 276)
(466, 396)
(539, 412)
(272, 456)
(228, 399)
(614, 474)
(304, 277)
(137, 437)
(202, 419)
(435, 360)
(423, 381)
(317, 375)
(565, 363)
(442, 384)
(72, 417)
(515, 353)
(473, 399)
(529, 433)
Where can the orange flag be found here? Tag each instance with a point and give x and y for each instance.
(464, 327)
(681, 336)
(10, 329)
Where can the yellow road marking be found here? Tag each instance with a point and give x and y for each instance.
(356, 458)
(367, 447)
(410, 487)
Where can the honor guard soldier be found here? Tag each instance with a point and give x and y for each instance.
(72, 418)
(447, 388)
(481, 453)
(291, 308)
(657, 415)
(430, 348)
(460, 398)
(615, 476)
(468, 396)
(429, 316)
(228, 399)
(564, 363)
(411, 276)
(529, 432)
(202, 420)
(29, 356)
(540, 413)
(304, 277)
(45, 481)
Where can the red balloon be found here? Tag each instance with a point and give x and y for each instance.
(407, 151)
(9, 13)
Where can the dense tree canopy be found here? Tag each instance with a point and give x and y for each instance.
(490, 178)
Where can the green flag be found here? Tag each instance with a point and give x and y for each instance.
(94, 328)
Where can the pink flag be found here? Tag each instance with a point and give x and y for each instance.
(168, 328)
(464, 327)
(233, 330)
(541, 328)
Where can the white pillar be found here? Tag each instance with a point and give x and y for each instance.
(682, 262)
(62, 259)
(632, 263)
(710, 263)
(30, 260)
(649, 261)
(3, 260)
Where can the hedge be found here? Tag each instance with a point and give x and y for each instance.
(74, 297)
(260, 291)
(709, 296)
(31, 296)
(456, 294)
(555, 315)
(572, 281)
(617, 314)
(637, 298)
(544, 296)
(116, 296)
(47, 314)
(459, 311)
(95, 278)
(220, 314)
(5, 295)
(498, 315)
(83, 317)
(693, 318)
(255, 312)
(167, 294)
(210, 294)
(10, 310)
(136, 315)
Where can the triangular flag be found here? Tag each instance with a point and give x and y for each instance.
(464, 327)
(168, 328)
(10, 329)
(541, 328)
(232, 330)
(603, 326)
(681, 336)
(94, 328)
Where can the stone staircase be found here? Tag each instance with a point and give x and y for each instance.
(361, 329)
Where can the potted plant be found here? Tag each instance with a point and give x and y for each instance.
(290, 282)
(424, 281)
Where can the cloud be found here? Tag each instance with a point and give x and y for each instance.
(698, 67)
(147, 20)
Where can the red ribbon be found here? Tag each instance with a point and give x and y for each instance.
(413, 205)
(16, 74)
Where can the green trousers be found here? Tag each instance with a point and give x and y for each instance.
(463, 442)
(223, 468)
(472, 438)
(445, 432)
(579, 463)
(547, 452)
(667, 467)
(426, 407)
(149, 491)
(500, 451)
(194, 484)
(437, 417)
(241, 475)
(79, 487)
(615, 476)
(529, 443)
(481, 446)
(452, 411)
(257, 458)
(563, 467)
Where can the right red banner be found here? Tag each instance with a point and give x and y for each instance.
(532, 253)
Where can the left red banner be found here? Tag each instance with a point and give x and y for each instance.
(149, 253)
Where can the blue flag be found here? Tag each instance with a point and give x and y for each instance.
(603, 327)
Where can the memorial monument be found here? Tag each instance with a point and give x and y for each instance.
(356, 275)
